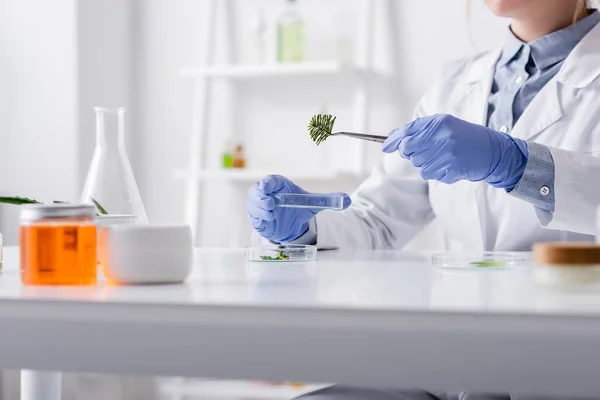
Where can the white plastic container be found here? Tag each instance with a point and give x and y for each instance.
(145, 254)
(109, 220)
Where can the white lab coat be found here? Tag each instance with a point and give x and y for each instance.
(394, 203)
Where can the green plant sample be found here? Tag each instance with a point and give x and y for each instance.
(487, 264)
(18, 200)
(281, 256)
(101, 209)
(320, 127)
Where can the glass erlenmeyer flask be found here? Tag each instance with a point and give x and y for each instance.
(110, 184)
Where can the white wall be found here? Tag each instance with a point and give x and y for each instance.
(104, 52)
(58, 60)
(166, 35)
(38, 121)
(272, 116)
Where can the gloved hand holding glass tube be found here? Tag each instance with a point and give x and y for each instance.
(280, 224)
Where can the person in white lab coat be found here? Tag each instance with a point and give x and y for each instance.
(504, 152)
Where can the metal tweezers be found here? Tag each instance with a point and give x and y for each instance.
(362, 136)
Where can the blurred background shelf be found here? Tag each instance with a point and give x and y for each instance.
(305, 69)
(253, 175)
(360, 71)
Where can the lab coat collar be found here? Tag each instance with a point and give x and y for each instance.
(482, 66)
(470, 100)
(543, 112)
(582, 66)
(579, 70)
(475, 86)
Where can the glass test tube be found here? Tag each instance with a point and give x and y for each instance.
(317, 201)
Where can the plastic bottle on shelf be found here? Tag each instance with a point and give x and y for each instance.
(291, 40)
(227, 156)
(239, 160)
(258, 35)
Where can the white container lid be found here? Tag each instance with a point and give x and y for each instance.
(145, 253)
(36, 212)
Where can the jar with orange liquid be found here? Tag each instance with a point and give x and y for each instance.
(239, 159)
(58, 244)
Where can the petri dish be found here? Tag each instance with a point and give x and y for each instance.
(281, 253)
(486, 260)
(310, 200)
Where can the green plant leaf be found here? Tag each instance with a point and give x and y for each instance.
(320, 127)
(488, 264)
(281, 256)
(101, 209)
(16, 200)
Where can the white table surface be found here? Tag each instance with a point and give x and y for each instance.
(364, 318)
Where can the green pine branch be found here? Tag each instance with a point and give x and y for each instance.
(320, 127)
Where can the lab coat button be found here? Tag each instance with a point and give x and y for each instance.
(519, 80)
(503, 129)
(544, 190)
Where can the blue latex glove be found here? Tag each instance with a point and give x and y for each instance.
(279, 224)
(449, 149)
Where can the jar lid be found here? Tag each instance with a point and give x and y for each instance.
(574, 253)
(34, 212)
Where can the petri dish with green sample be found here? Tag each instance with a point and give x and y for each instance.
(281, 253)
(491, 260)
